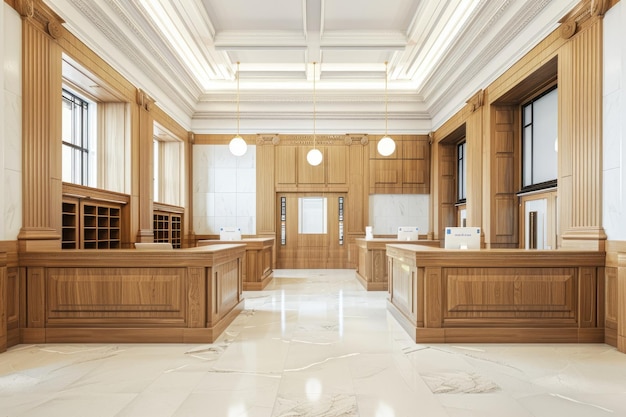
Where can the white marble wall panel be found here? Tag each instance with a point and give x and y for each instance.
(389, 211)
(225, 180)
(11, 124)
(226, 205)
(614, 123)
(224, 188)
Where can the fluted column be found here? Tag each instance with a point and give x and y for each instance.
(143, 170)
(41, 132)
(580, 141)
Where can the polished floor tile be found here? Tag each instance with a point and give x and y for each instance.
(313, 343)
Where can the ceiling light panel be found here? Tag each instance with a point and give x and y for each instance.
(176, 32)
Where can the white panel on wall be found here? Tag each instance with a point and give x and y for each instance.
(540, 207)
(11, 124)
(389, 211)
(224, 189)
(614, 123)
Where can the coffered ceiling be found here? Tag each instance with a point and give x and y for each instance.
(185, 53)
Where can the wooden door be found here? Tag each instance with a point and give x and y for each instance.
(310, 231)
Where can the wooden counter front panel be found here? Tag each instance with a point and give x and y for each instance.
(510, 293)
(224, 290)
(114, 295)
(407, 290)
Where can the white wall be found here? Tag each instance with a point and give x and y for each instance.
(11, 124)
(614, 124)
(389, 211)
(224, 189)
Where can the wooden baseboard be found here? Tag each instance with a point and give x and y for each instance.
(497, 334)
(371, 286)
(130, 335)
(258, 286)
(610, 337)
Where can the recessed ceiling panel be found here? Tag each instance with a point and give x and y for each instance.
(392, 15)
(246, 15)
(260, 56)
(360, 56)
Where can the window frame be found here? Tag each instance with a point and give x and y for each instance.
(80, 105)
(461, 171)
(544, 184)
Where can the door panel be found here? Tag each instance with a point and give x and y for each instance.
(314, 251)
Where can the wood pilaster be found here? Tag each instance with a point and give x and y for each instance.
(143, 170)
(41, 133)
(580, 140)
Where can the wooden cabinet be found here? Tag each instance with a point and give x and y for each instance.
(293, 172)
(406, 171)
(70, 229)
(89, 224)
(168, 224)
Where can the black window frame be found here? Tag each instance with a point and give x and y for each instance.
(80, 137)
(533, 186)
(461, 172)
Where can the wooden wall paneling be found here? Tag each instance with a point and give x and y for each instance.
(265, 191)
(611, 305)
(308, 174)
(4, 294)
(34, 312)
(286, 165)
(338, 164)
(337, 253)
(504, 178)
(357, 207)
(447, 187)
(621, 302)
(373, 148)
(416, 164)
(385, 176)
(13, 306)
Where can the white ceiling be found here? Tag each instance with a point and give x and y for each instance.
(185, 52)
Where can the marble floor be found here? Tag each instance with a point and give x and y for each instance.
(313, 343)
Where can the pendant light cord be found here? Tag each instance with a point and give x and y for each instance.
(238, 98)
(314, 106)
(386, 99)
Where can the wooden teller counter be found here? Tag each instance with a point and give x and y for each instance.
(129, 295)
(372, 266)
(259, 262)
(497, 295)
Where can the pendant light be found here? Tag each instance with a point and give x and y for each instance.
(314, 156)
(386, 146)
(237, 145)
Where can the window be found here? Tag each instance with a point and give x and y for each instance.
(461, 170)
(76, 138)
(168, 167)
(312, 215)
(539, 142)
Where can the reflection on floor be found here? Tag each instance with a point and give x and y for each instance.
(314, 343)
